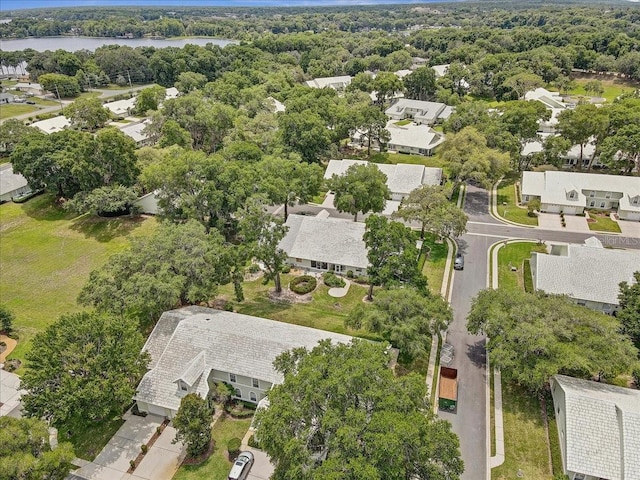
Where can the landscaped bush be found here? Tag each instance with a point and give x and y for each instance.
(253, 268)
(286, 269)
(233, 447)
(252, 442)
(239, 409)
(350, 274)
(303, 284)
(332, 280)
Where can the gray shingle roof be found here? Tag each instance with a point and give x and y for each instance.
(402, 178)
(331, 240)
(227, 341)
(586, 272)
(9, 181)
(602, 428)
(427, 112)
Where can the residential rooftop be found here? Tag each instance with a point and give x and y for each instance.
(10, 181)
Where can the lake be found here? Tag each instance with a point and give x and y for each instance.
(72, 44)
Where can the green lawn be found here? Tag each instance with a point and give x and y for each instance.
(434, 265)
(324, 312)
(513, 255)
(603, 223)
(91, 94)
(216, 467)
(12, 110)
(507, 205)
(613, 88)
(46, 258)
(525, 437)
(401, 123)
(44, 102)
(88, 441)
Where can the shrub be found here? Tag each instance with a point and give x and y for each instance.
(286, 269)
(253, 268)
(350, 274)
(252, 442)
(303, 284)
(332, 280)
(233, 447)
(132, 464)
(144, 449)
(6, 319)
(636, 376)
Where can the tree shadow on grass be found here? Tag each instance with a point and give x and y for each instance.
(105, 229)
(44, 207)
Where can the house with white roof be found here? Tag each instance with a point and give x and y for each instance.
(419, 111)
(325, 244)
(572, 192)
(598, 429)
(588, 274)
(553, 101)
(193, 348)
(441, 70)
(12, 184)
(337, 83)
(136, 131)
(571, 157)
(122, 108)
(402, 178)
(410, 138)
(51, 125)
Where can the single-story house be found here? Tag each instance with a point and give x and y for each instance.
(572, 192)
(171, 92)
(419, 111)
(553, 101)
(12, 184)
(51, 125)
(277, 105)
(417, 62)
(7, 98)
(571, 158)
(403, 73)
(588, 274)
(148, 203)
(402, 178)
(193, 348)
(411, 138)
(337, 83)
(122, 108)
(441, 70)
(136, 132)
(29, 87)
(325, 244)
(598, 429)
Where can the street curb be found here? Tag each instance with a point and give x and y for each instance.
(493, 210)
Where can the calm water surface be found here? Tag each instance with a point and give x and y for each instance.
(73, 44)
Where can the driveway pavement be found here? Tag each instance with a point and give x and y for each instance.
(262, 468)
(629, 229)
(552, 221)
(160, 463)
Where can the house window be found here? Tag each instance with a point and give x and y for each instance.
(253, 396)
(232, 378)
(238, 393)
(338, 268)
(607, 195)
(319, 265)
(572, 195)
(602, 205)
(183, 386)
(592, 194)
(592, 203)
(635, 200)
(582, 304)
(255, 383)
(298, 260)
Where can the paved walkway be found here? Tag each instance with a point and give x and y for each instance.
(339, 292)
(160, 463)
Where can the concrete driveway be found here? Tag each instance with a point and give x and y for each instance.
(629, 229)
(262, 468)
(160, 463)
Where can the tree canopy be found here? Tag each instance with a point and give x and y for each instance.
(83, 368)
(405, 318)
(25, 452)
(341, 413)
(535, 336)
(87, 114)
(193, 424)
(629, 313)
(362, 188)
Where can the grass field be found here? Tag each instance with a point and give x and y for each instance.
(507, 205)
(434, 265)
(88, 441)
(46, 258)
(603, 223)
(613, 87)
(216, 467)
(91, 94)
(513, 254)
(44, 102)
(12, 110)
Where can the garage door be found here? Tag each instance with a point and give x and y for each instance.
(570, 210)
(550, 208)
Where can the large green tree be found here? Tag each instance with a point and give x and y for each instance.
(286, 181)
(306, 134)
(87, 114)
(25, 452)
(393, 255)
(84, 368)
(193, 424)
(6, 319)
(62, 86)
(12, 131)
(421, 84)
(629, 313)
(177, 265)
(149, 98)
(581, 124)
(341, 413)
(362, 188)
(535, 336)
(430, 205)
(405, 318)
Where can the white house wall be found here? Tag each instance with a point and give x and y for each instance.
(244, 384)
(305, 264)
(627, 215)
(561, 420)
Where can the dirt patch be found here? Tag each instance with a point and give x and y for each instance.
(287, 296)
(11, 344)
